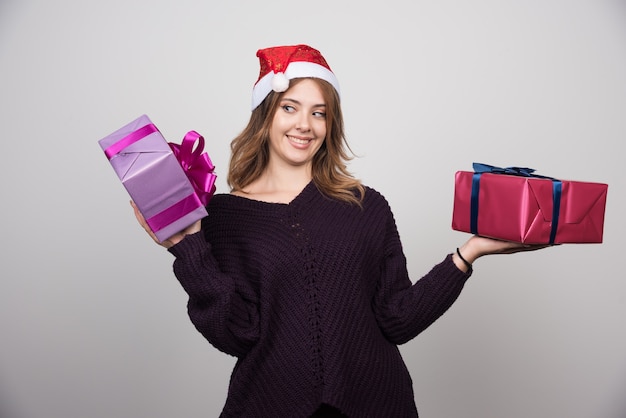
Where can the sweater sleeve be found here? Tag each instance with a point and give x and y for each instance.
(403, 309)
(223, 309)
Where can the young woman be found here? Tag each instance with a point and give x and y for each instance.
(299, 271)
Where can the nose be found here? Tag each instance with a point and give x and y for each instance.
(303, 124)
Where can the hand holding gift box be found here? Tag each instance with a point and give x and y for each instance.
(169, 183)
(514, 204)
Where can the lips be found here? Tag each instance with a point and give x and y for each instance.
(299, 141)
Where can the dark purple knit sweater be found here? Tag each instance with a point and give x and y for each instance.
(313, 298)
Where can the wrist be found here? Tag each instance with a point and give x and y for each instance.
(472, 249)
(462, 263)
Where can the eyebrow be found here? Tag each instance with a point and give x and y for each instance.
(297, 102)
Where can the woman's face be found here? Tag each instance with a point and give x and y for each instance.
(299, 125)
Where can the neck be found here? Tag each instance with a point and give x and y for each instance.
(278, 185)
(286, 179)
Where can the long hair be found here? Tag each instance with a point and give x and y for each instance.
(250, 149)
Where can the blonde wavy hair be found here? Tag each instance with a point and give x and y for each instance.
(250, 149)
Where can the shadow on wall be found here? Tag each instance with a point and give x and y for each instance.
(7, 409)
(619, 399)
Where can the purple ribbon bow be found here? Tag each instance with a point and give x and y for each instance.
(196, 164)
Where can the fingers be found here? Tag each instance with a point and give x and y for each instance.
(138, 214)
(534, 247)
(518, 248)
(143, 223)
(478, 246)
(169, 242)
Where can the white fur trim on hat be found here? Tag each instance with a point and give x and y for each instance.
(297, 69)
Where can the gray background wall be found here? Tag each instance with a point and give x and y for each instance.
(92, 320)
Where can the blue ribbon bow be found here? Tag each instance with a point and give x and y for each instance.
(479, 169)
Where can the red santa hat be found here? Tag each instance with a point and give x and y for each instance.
(280, 64)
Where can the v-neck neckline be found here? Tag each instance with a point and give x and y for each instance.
(302, 196)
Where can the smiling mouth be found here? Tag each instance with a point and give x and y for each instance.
(299, 140)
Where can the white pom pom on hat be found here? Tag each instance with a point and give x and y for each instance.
(280, 82)
(280, 64)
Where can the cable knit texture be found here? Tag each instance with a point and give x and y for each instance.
(312, 297)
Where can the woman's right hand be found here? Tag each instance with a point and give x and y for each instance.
(478, 246)
(171, 241)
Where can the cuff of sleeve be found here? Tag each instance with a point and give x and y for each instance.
(191, 244)
(453, 267)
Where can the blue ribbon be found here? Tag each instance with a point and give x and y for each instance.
(480, 169)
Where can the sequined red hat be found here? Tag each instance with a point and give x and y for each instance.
(280, 64)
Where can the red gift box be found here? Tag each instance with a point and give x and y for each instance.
(170, 183)
(514, 204)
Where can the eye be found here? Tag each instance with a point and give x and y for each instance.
(288, 108)
(319, 114)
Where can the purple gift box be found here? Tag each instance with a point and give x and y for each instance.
(158, 178)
